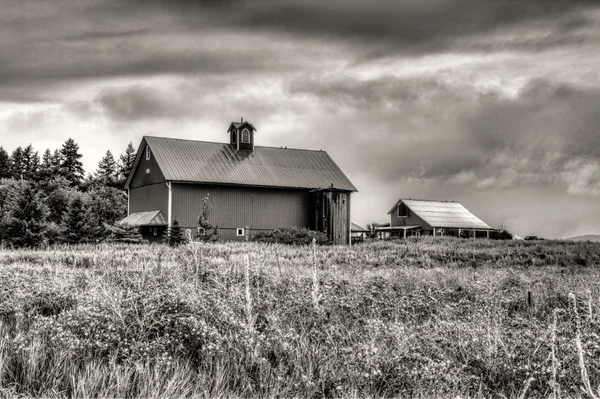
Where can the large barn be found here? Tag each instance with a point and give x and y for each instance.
(251, 188)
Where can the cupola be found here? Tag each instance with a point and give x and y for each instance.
(241, 135)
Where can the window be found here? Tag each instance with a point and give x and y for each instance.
(245, 136)
(147, 152)
(233, 136)
(155, 231)
(147, 171)
(240, 232)
(201, 232)
(402, 211)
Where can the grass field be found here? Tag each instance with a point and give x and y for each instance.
(427, 317)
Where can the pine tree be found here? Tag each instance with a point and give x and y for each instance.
(74, 228)
(17, 165)
(124, 234)
(126, 162)
(46, 170)
(26, 228)
(31, 163)
(70, 165)
(5, 172)
(176, 235)
(107, 170)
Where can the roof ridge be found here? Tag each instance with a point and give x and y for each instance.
(220, 142)
(428, 200)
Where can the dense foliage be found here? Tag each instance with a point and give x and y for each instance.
(37, 196)
(291, 236)
(434, 317)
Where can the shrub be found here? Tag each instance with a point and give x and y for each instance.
(124, 234)
(291, 235)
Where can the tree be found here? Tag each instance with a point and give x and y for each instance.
(70, 165)
(9, 193)
(124, 234)
(75, 227)
(208, 231)
(4, 164)
(26, 228)
(49, 168)
(126, 162)
(59, 195)
(107, 170)
(106, 206)
(31, 163)
(17, 163)
(176, 235)
(372, 229)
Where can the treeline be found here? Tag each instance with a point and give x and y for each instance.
(48, 199)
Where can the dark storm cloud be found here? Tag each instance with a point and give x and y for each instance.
(127, 38)
(409, 25)
(434, 131)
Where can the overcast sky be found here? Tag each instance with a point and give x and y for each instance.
(494, 103)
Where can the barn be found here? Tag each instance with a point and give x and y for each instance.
(250, 187)
(415, 217)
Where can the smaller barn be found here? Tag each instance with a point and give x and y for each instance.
(416, 217)
(358, 233)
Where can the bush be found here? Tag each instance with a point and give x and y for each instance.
(291, 235)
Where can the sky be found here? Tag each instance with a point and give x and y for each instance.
(492, 103)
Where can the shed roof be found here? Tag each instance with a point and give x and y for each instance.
(443, 214)
(208, 162)
(357, 228)
(152, 218)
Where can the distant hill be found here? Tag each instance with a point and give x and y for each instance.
(589, 237)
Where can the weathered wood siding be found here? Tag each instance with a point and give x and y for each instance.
(410, 220)
(237, 207)
(149, 198)
(339, 226)
(147, 171)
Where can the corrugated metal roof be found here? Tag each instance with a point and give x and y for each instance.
(207, 162)
(444, 214)
(357, 228)
(152, 218)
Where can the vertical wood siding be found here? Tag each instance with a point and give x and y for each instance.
(411, 220)
(234, 207)
(149, 198)
(140, 177)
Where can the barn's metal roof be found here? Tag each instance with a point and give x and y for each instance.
(207, 162)
(152, 218)
(443, 214)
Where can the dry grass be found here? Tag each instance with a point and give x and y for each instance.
(429, 317)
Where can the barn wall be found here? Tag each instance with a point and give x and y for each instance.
(140, 177)
(233, 207)
(149, 198)
(410, 220)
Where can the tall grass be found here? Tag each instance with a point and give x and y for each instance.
(429, 317)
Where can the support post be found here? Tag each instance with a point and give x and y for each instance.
(170, 206)
(434, 231)
(404, 233)
(488, 234)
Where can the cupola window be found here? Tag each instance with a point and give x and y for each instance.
(245, 136)
(147, 152)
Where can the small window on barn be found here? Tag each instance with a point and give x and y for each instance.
(402, 211)
(147, 153)
(155, 231)
(245, 136)
(201, 232)
(240, 232)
